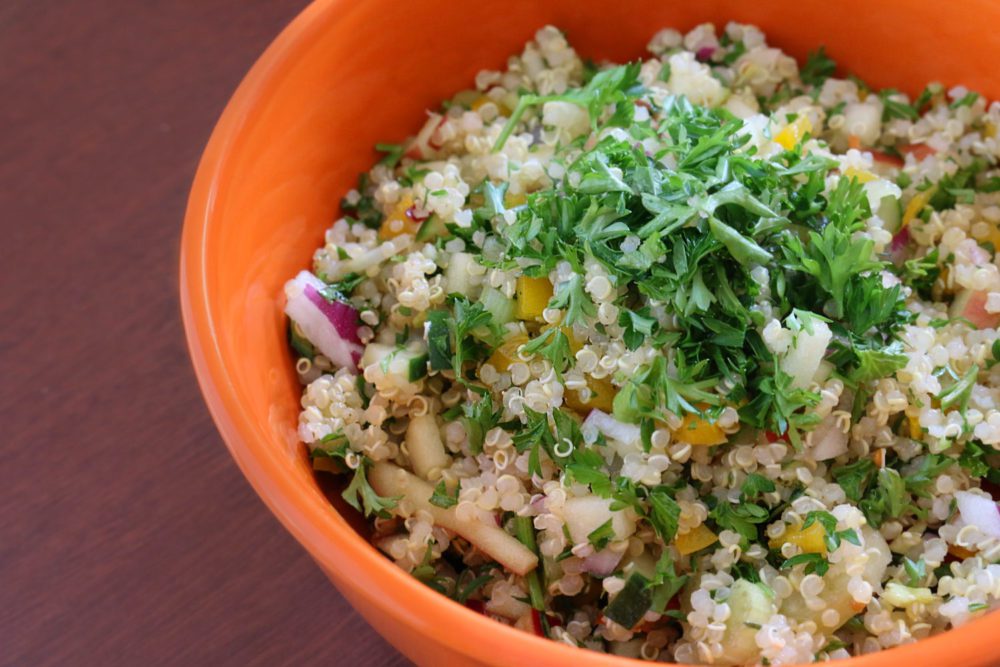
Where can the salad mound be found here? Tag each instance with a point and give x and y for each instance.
(688, 359)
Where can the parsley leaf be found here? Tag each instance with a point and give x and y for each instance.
(915, 572)
(957, 395)
(756, 485)
(606, 87)
(664, 514)
(887, 499)
(601, 536)
(666, 583)
(552, 344)
(361, 496)
(479, 418)
(879, 363)
(813, 563)
(569, 294)
(442, 498)
(818, 68)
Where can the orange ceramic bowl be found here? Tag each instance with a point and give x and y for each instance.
(301, 127)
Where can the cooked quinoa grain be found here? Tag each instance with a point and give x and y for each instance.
(691, 359)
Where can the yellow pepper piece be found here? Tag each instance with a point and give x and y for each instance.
(989, 130)
(479, 102)
(695, 539)
(860, 175)
(791, 135)
(695, 430)
(506, 353)
(602, 396)
(533, 296)
(482, 100)
(917, 204)
(398, 222)
(810, 539)
(512, 200)
(994, 238)
(916, 430)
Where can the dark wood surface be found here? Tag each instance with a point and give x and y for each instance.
(127, 534)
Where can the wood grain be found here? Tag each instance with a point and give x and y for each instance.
(127, 535)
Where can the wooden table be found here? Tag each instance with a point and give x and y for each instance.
(127, 534)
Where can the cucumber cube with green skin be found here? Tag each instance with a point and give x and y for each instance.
(500, 307)
(459, 275)
(431, 228)
(631, 603)
(438, 333)
(404, 365)
(751, 605)
(418, 367)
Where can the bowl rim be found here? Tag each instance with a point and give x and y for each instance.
(306, 519)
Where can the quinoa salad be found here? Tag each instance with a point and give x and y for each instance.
(688, 359)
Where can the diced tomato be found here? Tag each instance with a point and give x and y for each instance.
(536, 622)
(886, 158)
(413, 151)
(971, 304)
(477, 606)
(771, 436)
(989, 487)
(918, 151)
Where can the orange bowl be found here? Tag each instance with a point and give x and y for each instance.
(291, 142)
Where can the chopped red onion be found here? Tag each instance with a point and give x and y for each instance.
(331, 326)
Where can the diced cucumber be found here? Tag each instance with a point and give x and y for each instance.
(431, 228)
(438, 335)
(631, 603)
(499, 306)
(418, 367)
(751, 605)
(890, 212)
(459, 275)
(399, 366)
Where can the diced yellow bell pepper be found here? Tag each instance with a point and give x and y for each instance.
(512, 200)
(994, 238)
(792, 134)
(989, 130)
(916, 430)
(810, 539)
(533, 296)
(398, 222)
(506, 354)
(695, 430)
(602, 396)
(860, 175)
(695, 539)
(917, 204)
(486, 99)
